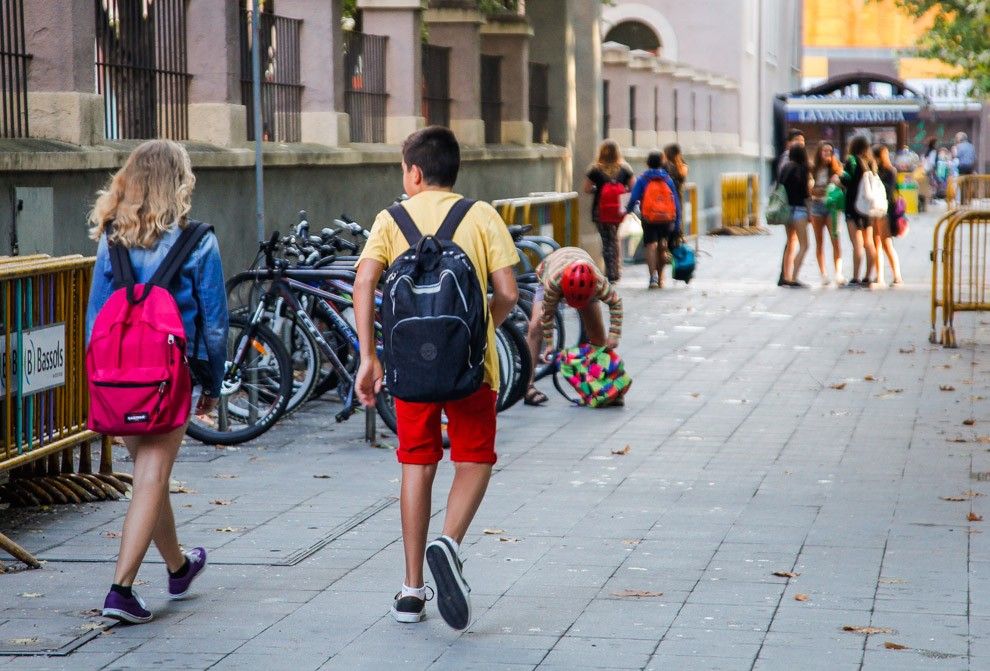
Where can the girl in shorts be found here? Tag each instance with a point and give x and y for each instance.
(826, 170)
(860, 227)
(796, 179)
(147, 202)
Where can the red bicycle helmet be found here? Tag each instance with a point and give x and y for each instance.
(578, 283)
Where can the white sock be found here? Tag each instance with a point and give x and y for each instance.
(454, 543)
(418, 592)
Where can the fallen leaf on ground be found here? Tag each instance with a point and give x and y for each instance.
(890, 645)
(838, 385)
(869, 378)
(895, 391)
(225, 476)
(631, 541)
(493, 532)
(801, 597)
(92, 612)
(972, 494)
(868, 630)
(322, 476)
(893, 581)
(983, 440)
(180, 488)
(855, 351)
(969, 422)
(957, 439)
(636, 593)
(625, 450)
(907, 350)
(31, 595)
(228, 530)
(90, 626)
(695, 394)
(946, 387)
(954, 498)
(220, 502)
(111, 534)
(786, 574)
(506, 539)
(973, 517)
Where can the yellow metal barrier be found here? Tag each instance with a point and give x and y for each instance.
(740, 202)
(973, 191)
(689, 213)
(560, 211)
(43, 399)
(961, 243)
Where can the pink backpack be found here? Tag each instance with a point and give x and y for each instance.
(139, 381)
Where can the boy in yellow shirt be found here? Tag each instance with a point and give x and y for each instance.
(430, 162)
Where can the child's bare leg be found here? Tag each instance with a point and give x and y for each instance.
(466, 494)
(594, 324)
(414, 504)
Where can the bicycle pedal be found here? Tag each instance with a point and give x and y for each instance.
(343, 415)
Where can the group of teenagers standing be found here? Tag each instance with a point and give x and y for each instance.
(668, 170)
(806, 180)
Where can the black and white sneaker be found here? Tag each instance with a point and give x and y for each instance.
(410, 609)
(453, 592)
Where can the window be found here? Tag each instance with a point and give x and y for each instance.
(539, 101)
(634, 35)
(436, 85)
(365, 94)
(606, 117)
(281, 85)
(13, 73)
(632, 112)
(141, 68)
(491, 98)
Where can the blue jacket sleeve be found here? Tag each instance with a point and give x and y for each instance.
(637, 193)
(101, 286)
(212, 299)
(677, 201)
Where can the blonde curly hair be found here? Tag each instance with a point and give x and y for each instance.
(147, 196)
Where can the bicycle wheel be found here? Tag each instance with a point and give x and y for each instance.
(304, 355)
(385, 406)
(515, 365)
(328, 378)
(254, 395)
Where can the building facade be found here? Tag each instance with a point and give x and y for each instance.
(705, 80)
(847, 37)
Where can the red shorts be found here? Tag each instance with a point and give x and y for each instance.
(470, 426)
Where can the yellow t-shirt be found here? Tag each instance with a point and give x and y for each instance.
(482, 235)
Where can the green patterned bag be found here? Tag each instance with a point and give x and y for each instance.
(597, 374)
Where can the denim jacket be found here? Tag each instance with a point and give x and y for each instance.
(639, 188)
(198, 289)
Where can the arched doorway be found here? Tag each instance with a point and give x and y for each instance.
(635, 35)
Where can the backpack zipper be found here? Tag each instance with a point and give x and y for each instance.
(161, 397)
(128, 385)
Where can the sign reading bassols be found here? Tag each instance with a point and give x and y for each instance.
(43, 364)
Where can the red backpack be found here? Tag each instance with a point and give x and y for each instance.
(658, 204)
(139, 381)
(610, 203)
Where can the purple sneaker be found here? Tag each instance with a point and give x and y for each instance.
(179, 587)
(125, 609)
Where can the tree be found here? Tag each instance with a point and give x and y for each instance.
(959, 36)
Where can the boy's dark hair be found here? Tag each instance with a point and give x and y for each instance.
(798, 154)
(793, 133)
(654, 160)
(435, 151)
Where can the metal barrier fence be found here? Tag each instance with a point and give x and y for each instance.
(690, 226)
(491, 98)
(436, 85)
(558, 211)
(13, 70)
(973, 191)
(365, 92)
(43, 398)
(741, 202)
(960, 247)
(281, 82)
(141, 69)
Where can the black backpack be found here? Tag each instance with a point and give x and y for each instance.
(433, 315)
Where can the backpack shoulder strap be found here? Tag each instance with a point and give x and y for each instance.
(410, 230)
(120, 262)
(454, 218)
(183, 247)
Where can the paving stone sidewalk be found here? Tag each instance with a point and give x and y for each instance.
(812, 432)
